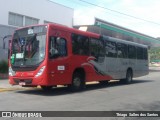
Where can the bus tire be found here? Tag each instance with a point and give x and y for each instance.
(46, 88)
(105, 82)
(128, 78)
(78, 83)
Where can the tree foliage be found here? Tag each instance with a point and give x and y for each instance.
(154, 54)
(3, 66)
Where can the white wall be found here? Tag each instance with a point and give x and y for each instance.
(40, 9)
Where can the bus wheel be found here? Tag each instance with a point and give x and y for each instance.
(128, 78)
(46, 88)
(77, 82)
(103, 82)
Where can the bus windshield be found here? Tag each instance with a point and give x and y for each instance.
(28, 46)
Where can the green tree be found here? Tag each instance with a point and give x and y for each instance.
(3, 66)
(154, 54)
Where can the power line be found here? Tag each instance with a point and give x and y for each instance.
(119, 12)
(85, 5)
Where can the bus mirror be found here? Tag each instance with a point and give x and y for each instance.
(9, 47)
(4, 44)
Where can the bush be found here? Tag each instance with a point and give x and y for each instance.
(3, 66)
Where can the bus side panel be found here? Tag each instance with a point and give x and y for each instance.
(59, 68)
(95, 70)
(141, 68)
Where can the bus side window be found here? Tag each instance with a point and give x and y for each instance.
(131, 52)
(93, 47)
(145, 53)
(111, 49)
(62, 46)
(57, 47)
(122, 50)
(140, 53)
(80, 45)
(97, 49)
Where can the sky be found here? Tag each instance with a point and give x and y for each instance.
(148, 10)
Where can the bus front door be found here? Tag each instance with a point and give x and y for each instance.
(58, 59)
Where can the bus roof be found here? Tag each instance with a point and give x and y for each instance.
(73, 30)
(76, 31)
(64, 28)
(123, 41)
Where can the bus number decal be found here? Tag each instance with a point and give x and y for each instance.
(61, 68)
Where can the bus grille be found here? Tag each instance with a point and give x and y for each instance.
(27, 81)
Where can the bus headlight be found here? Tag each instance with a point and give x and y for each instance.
(11, 72)
(40, 71)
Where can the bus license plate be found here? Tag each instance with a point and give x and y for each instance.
(22, 83)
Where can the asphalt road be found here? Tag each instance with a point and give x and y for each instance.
(142, 95)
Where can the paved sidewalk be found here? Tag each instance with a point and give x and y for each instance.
(154, 68)
(5, 86)
(4, 83)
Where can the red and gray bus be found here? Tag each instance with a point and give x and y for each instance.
(51, 54)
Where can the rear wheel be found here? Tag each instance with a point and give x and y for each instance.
(78, 83)
(128, 78)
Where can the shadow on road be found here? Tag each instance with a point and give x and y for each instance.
(64, 90)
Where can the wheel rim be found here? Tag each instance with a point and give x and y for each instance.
(129, 77)
(77, 82)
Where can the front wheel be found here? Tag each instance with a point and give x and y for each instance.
(78, 83)
(46, 88)
(105, 82)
